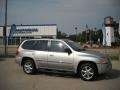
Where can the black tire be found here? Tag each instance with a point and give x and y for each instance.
(29, 67)
(87, 71)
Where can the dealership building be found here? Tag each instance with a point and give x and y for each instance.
(17, 33)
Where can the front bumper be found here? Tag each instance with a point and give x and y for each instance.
(103, 68)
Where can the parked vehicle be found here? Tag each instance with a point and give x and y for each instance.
(61, 55)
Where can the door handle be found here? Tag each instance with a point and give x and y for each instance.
(33, 53)
(51, 55)
(60, 61)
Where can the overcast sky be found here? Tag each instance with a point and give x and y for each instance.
(67, 14)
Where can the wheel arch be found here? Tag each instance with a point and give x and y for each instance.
(83, 62)
(27, 58)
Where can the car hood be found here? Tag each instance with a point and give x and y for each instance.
(94, 54)
(91, 53)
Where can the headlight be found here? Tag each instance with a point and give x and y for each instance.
(101, 60)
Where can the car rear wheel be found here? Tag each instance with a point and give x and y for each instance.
(29, 67)
(87, 71)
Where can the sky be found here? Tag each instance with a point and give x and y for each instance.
(67, 14)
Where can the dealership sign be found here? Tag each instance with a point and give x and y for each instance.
(14, 30)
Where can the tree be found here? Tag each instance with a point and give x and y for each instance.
(72, 37)
(61, 35)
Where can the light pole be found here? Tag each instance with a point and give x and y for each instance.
(86, 32)
(119, 53)
(5, 29)
(90, 38)
(76, 33)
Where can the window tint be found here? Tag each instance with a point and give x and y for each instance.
(43, 45)
(36, 45)
(57, 46)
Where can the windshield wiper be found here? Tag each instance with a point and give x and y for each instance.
(80, 49)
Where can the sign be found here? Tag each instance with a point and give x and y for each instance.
(25, 31)
(14, 30)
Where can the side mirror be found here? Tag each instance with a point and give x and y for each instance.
(68, 51)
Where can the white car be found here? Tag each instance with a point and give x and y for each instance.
(61, 55)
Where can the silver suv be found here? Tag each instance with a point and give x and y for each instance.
(61, 55)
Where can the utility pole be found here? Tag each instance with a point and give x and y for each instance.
(5, 29)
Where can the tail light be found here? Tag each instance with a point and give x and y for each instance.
(17, 51)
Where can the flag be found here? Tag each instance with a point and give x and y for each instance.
(12, 30)
(86, 26)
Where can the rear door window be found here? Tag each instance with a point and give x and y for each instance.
(57, 46)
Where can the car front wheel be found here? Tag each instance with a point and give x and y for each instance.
(87, 71)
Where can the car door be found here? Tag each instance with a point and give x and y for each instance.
(41, 53)
(58, 58)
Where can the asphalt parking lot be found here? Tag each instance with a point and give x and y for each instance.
(12, 77)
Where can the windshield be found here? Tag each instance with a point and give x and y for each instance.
(74, 45)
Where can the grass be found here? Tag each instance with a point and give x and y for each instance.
(114, 57)
(6, 56)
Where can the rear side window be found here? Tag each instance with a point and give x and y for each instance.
(36, 45)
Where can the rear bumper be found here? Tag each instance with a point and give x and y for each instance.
(104, 68)
(18, 60)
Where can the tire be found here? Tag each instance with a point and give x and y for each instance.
(87, 71)
(29, 67)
